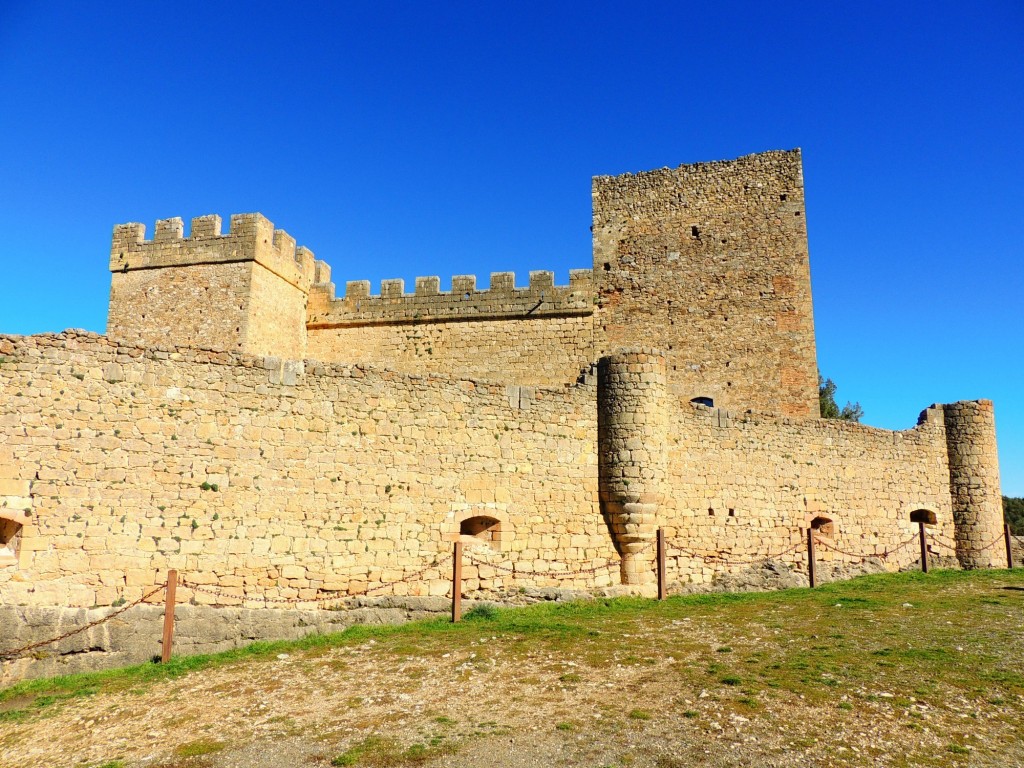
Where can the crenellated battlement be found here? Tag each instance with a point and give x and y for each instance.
(252, 237)
(465, 301)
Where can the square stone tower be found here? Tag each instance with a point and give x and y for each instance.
(244, 291)
(708, 262)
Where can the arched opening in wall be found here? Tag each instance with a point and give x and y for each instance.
(823, 525)
(925, 516)
(480, 528)
(703, 400)
(10, 535)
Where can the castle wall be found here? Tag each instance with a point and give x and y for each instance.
(709, 263)
(266, 479)
(749, 485)
(254, 476)
(546, 351)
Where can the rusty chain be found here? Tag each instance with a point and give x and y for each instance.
(474, 558)
(18, 652)
(551, 574)
(721, 558)
(884, 554)
(967, 550)
(320, 599)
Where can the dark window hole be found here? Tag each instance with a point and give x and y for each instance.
(923, 516)
(823, 525)
(483, 528)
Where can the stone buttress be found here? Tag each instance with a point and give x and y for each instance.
(632, 429)
(974, 482)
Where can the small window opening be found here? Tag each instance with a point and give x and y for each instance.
(711, 511)
(823, 525)
(702, 400)
(695, 232)
(607, 266)
(783, 198)
(481, 528)
(732, 512)
(925, 516)
(10, 534)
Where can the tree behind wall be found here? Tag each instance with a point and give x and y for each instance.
(827, 403)
(1013, 512)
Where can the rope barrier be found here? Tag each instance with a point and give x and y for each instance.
(884, 554)
(320, 599)
(474, 558)
(720, 557)
(551, 574)
(18, 652)
(967, 550)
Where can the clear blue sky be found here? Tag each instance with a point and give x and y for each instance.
(449, 138)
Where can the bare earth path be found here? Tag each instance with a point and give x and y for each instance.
(880, 671)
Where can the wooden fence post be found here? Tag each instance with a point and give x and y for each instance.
(924, 547)
(172, 586)
(662, 586)
(457, 582)
(1009, 547)
(810, 556)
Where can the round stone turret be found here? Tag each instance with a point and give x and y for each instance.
(974, 482)
(632, 427)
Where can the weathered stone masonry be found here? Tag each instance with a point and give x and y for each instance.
(243, 424)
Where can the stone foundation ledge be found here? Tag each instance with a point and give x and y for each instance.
(134, 636)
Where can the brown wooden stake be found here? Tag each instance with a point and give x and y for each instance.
(457, 582)
(1009, 548)
(172, 586)
(810, 555)
(924, 547)
(662, 585)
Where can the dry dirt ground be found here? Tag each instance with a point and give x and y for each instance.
(679, 684)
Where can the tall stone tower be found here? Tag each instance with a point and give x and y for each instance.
(974, 482)
(709, 263)
(632, 427)
(244, 291)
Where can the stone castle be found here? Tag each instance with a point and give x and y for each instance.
(244, 422)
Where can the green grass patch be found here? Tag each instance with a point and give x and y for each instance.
(379, 751)
(200, 747)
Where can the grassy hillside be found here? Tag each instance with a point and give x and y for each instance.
(900, 669)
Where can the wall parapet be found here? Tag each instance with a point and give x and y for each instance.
(252, 237)
(502, 299)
